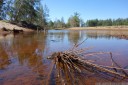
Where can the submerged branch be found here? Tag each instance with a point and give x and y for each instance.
(70, 62)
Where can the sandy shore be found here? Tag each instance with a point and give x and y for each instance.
(11, 27)
(100, 28)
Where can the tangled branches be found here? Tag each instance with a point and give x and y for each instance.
(71, 62)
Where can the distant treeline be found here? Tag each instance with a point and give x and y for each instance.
(76, 21)
(73, 21)
(107, 22)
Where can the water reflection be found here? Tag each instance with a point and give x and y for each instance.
(20, 47)
(107, 34)
(24, 50)
(74, 36)
(6, 50)
(4, 60)
(23, 57)
(56, 36)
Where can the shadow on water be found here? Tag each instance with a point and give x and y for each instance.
(23, 56)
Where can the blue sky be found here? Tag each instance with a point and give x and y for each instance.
(88, 9)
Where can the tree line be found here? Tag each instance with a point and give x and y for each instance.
(73, 21)
(107, 22)
(76, 21)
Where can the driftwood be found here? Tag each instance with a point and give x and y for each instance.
(71, 61)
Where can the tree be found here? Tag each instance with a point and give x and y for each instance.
(3, 8)
(58, 23)
(62, 23)
(29, 11)
(43, 14)
(92, 23)
(46, 13)
(74, 21)
(50, 25)
(82, 23)
(107, 22)
(25, 10)
(41, 20)
(7, 9)
(1, 4)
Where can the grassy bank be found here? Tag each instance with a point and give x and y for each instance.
(100, 28)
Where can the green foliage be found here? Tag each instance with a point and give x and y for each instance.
(74, 21)
(42, 15)
(51, 24)
(92, 22)
(1, 4)
(120, 21)
(107, 22)
(3, 9)
(30, 11)
(57, 24)
(26, 10)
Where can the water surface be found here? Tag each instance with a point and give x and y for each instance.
(23, 57)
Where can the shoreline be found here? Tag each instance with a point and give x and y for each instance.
(100, 28)
(11, 27)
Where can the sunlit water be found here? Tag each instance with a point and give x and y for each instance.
(23, 57)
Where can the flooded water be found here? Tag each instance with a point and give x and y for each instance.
(23, 57)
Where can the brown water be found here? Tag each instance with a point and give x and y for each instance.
(23, 57)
